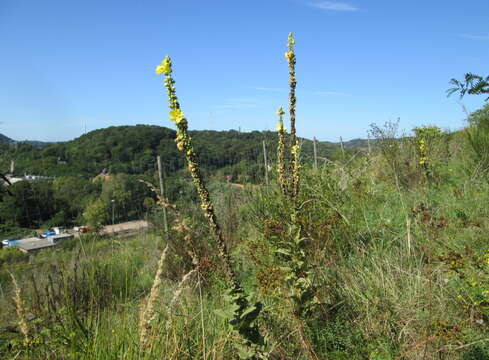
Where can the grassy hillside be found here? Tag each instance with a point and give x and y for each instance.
(398, 257)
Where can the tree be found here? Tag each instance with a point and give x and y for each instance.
(30, 204)
(97, 213)
(472, 84)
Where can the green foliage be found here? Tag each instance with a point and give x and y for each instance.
(29, 205)
(97, 213)
(478, 135)
(477, 352)
(133, 150)
(472, 84)
(296, 268)
(428, 139)
(390, 145)
(468, 273)
(62, 201)
(10, 255)
(242, 315)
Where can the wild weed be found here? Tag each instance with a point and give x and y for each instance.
(429, 141)
(241, 315)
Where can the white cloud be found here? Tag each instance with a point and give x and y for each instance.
(475, 37)
(334, 6)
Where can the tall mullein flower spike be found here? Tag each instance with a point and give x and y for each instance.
(281, 169)
(294, 144)
(184, 144)
(290, 56)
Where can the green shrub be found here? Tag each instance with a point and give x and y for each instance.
(478, 135)
(11, 255)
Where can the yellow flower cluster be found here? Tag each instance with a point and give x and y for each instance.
(295, 149)
(164, 67)
(290, 55)
(423, 159)
(280, 113)
(176, 116)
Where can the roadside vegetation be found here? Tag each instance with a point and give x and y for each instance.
(379, 254)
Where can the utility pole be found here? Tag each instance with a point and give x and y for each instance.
(162, 193)
(113, 206)
(266, 163)
(314, 143)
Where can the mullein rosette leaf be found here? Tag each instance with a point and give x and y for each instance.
(241, 314)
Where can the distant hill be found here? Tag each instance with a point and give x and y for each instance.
(361, 144)
(4, 138)
(133, 150)
(36, 143)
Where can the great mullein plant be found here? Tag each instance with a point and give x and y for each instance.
(241, 313)
(426, 137)
(291, 250)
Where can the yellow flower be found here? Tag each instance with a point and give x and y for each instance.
(280, 111)
(294, 149)
(280, 126)
(164, 67)
(176, 115)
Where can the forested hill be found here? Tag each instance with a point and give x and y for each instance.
(6, 139)
(133, 150)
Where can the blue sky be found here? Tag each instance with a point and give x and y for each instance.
(67, 64)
